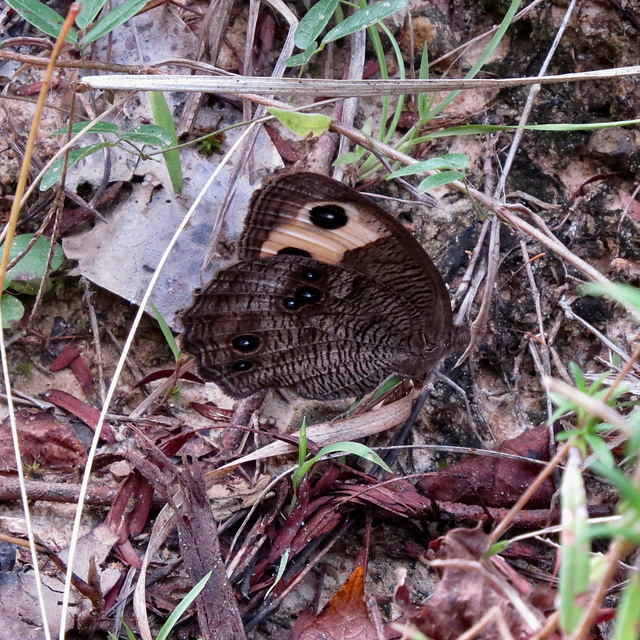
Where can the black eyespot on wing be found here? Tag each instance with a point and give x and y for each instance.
(307, 295)
(329, 216)
(242, 365)
(294, 251)
(310, 275)
(301, 297)
(245, 344)
(291, 304)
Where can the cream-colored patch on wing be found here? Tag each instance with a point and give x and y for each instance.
(326, 245)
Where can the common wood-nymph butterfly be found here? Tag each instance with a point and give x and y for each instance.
(330, 295)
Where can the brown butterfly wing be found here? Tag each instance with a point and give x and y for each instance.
(327, 309)
(281, 219)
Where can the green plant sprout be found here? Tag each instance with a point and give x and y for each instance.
(167, 333)
(580, 570)
(26, 276)
(146, 134)
(162, 118)
(304, 466)
(50, 22)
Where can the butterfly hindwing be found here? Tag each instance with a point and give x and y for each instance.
(330, 296)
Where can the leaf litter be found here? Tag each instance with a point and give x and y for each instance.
(256, 533)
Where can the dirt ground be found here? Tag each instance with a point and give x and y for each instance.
(581, 184)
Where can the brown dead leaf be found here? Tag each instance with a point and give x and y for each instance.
(81, 410)
(345, 617)
(399, 497)
(495, 482)
(469, 588)
(43, 440)
(68, 355)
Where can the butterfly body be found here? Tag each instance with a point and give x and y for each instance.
(330, 295)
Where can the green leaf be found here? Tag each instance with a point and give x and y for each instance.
(626, 488)
(423, 98)
(12, 311)
(364, 18)
(301, 58)
(302, 124)
(166, 332)
(348, 158)
(75, 155)
(602, 451)
(150, 134)
(496, 548)
(438, 179)
(284, 559)
(628, 618)
(162, 118)
(447, 161)
(578, 377)
(77, 127)
(113, 19)
(355, 448)
(314, 22)
(476, 129)
(172, 620)
(90, 9)
(27, 274)
(355, 156)
(42, 17)
(576, 545)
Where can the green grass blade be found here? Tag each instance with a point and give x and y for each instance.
(167, 627)
(486, 54)
(627, 622)
(162, 118)
(623, 294)
(166, 332)
(575, 542)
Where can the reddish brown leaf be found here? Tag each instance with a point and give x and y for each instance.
(399, 497)
(465, 593)
(494, 482)
(68, 355)
(163, 374)
(285, 149)
(43, 440)
(82, 372)
(129, 511)
(81, 410)
(371, 67)
(345, 616)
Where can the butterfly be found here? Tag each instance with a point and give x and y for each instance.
(329, 296)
